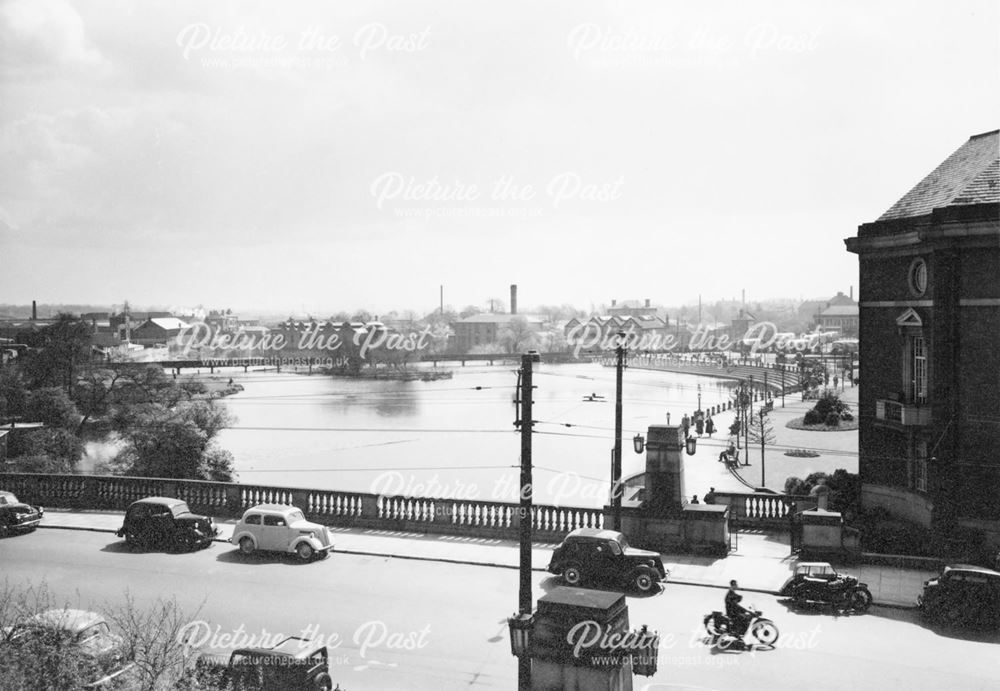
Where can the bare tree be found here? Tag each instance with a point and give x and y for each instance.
(761, 432)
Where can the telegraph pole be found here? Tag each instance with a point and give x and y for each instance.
(616, 464)
(524, 592)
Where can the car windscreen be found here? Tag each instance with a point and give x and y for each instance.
(180, 509)
(622, 542)
(294, 516)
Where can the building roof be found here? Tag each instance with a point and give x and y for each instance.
(840, 311)
(496, 318)
(969, 176)
(168, 323)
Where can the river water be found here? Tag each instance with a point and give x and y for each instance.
(452, 438)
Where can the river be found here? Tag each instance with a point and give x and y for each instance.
(452, 438)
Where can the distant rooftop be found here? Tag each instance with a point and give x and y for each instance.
(969, 176)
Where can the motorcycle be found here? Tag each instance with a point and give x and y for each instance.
(722, 630)
(817, 583)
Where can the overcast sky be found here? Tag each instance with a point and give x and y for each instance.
(342, 155)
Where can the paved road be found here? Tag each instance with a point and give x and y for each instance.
(398, 624)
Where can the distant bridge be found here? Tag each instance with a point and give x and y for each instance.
(278, 361)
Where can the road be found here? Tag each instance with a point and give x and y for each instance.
(404, 624)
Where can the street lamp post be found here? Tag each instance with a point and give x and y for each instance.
(616, 465)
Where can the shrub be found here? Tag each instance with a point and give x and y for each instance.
(832, 419)
(812, 418)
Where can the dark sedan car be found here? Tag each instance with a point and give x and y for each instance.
(963, 594)
(17, 516)
(592, 554)
(166, 522)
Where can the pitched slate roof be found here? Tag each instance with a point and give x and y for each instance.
(971, 175)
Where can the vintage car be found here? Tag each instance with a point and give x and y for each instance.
(294, 664)
(963, 594)
(166, 522)
(17, 516)
(103, 654)
(593, 555)
(817, 582)
(280, 528)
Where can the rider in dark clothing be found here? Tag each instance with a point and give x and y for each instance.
(737, 613)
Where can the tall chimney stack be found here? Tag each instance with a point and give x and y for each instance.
(851, 295)
(34, 311)
(442, 299)
(513, 298)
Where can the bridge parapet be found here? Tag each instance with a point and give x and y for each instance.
(467, 517)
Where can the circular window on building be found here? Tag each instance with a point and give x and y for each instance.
(918, 277)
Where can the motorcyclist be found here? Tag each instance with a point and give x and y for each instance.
(739, 615)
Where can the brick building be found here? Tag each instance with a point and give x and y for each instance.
(929, 294)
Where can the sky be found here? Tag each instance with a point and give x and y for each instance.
(325, 156)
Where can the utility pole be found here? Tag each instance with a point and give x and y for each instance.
(748, 418)
(526, 517)
(762, 441)
(616, 465)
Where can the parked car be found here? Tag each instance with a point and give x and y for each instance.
(16, 516)
(293, 664)
(593, 555)
(963, 594)
(817, 582)
(104, 654)
(280, 528)
(166, 522)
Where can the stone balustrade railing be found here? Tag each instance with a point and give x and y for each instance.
(763, 509)
(485, 519)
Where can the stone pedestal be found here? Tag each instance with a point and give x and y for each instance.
(665, 491)
(822, 532)
(566, 654)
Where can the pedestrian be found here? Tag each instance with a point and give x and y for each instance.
(710, 497)
(709, 426)
(699, 426)
(686, 424)
(694, 499)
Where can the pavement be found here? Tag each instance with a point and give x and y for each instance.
(762, 561)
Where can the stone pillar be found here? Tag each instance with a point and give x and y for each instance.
(665, 490)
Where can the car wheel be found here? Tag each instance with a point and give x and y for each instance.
(186, 542)
(247, 546)
(643, 581)
(859, 602)
(305, 551)
(131, 539)
(323, 682)
(572, 575)
(4, 530)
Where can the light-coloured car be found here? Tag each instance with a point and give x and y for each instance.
(280, 528)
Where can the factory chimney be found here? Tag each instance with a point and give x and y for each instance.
(513, 298)
(34, 311)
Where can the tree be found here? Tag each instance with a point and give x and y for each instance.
(761, 432)
(517, 336)
(48, 450)
(65, 348)
(13, 392)
(176, 443)
(51, 405)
